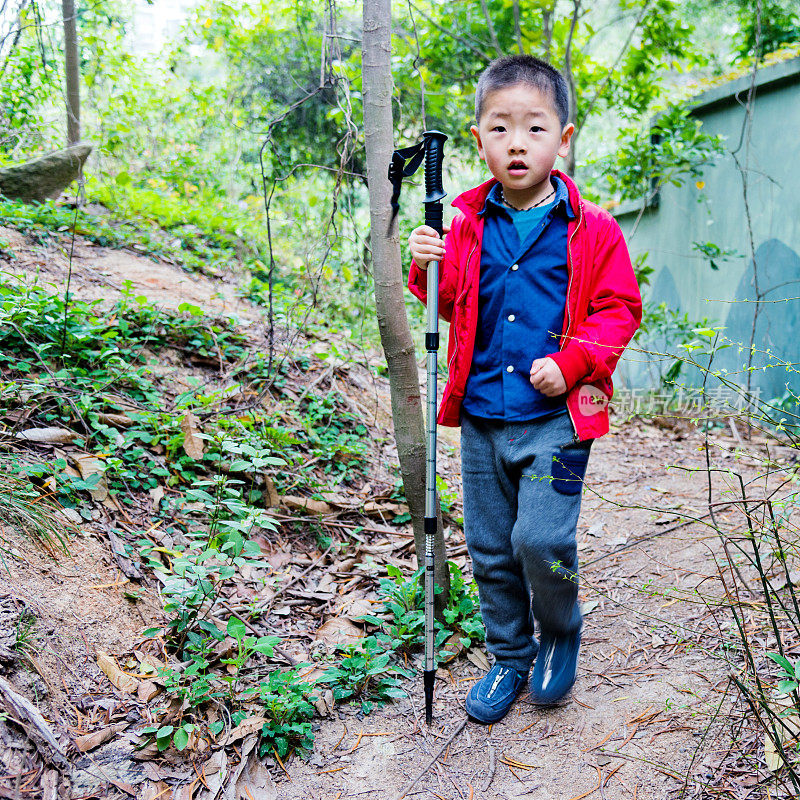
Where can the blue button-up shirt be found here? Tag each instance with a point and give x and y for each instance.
(523, 292)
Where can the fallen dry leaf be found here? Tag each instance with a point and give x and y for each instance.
(146, 691)
(156, 495)
(48, 435)
(91, 740)
(478, 658)
(117, 420)
(326, 585)
(452, 647)
(255, 781)
(192, 444)
(149, 663)
(245, 728)
(787, 728)
(89, 466)
(343, 501)
(355, 607)
(152, 790)
(312, 676)
(371, 507)
(70, 515)
(36, 726)
(587, 606)
(338, 630)
(215, 771)
(123, 682)
(305, 504)
(324, 702)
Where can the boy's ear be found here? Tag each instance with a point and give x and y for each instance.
(476, 133)
(566, 136)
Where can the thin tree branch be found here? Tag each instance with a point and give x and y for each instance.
(518, 28)
(599, 93)
(475, 48)
(490, 26)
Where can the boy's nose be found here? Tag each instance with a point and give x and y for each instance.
(516, 145)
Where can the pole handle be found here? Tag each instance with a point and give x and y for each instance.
(434, 157)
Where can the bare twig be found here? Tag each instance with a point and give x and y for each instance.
(460, 727)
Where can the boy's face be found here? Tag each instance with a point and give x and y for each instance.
(519, 137)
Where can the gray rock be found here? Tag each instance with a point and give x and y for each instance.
(45, 177)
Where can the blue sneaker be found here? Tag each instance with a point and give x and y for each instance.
(490, 698)
(556, 667)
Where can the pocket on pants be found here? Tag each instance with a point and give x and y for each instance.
(569, 468)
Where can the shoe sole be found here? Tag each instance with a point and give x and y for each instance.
(562, 701)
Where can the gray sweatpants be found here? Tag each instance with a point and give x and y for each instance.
(522, 498)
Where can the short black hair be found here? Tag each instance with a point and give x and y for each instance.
(511, 70)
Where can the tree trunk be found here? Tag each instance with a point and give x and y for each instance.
(72, 72)
(398, 347)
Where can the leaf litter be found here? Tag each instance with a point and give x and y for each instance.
(633, 674)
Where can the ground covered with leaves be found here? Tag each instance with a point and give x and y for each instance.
(209, 582)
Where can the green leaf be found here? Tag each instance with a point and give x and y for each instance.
(164, 736)
(180, 739)
(783, 662)
(709, 333)
(266, 645)
(236, 628)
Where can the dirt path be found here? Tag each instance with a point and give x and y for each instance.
(101, 273)
(649, 680)
(650, 676)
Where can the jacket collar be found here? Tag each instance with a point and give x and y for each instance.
(472, 201)
(560, 201)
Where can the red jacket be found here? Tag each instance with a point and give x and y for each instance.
(604, 306)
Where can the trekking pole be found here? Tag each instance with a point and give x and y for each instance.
(434, 143)
(432, 150)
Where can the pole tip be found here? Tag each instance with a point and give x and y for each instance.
(428, 677)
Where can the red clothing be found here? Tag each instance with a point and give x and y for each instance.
(604, 306)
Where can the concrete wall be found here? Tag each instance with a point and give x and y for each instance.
(683, 277)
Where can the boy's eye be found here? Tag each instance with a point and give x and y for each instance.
(498, 128)
(536, 128)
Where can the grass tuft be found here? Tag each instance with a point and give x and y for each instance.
(23, 508)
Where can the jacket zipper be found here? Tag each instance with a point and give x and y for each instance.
(576, 438)
(455, 329)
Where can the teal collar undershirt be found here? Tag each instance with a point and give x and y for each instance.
(526, 221)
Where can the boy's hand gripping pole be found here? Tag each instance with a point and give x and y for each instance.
(433, 147)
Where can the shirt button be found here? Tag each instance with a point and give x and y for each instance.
(515, 267)
(511, 317)
(509, 368)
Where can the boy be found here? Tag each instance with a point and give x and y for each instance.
(541, 298)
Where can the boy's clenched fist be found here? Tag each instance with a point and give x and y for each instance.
(547, 377)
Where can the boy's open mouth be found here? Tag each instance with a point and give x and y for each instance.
(517, 167)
